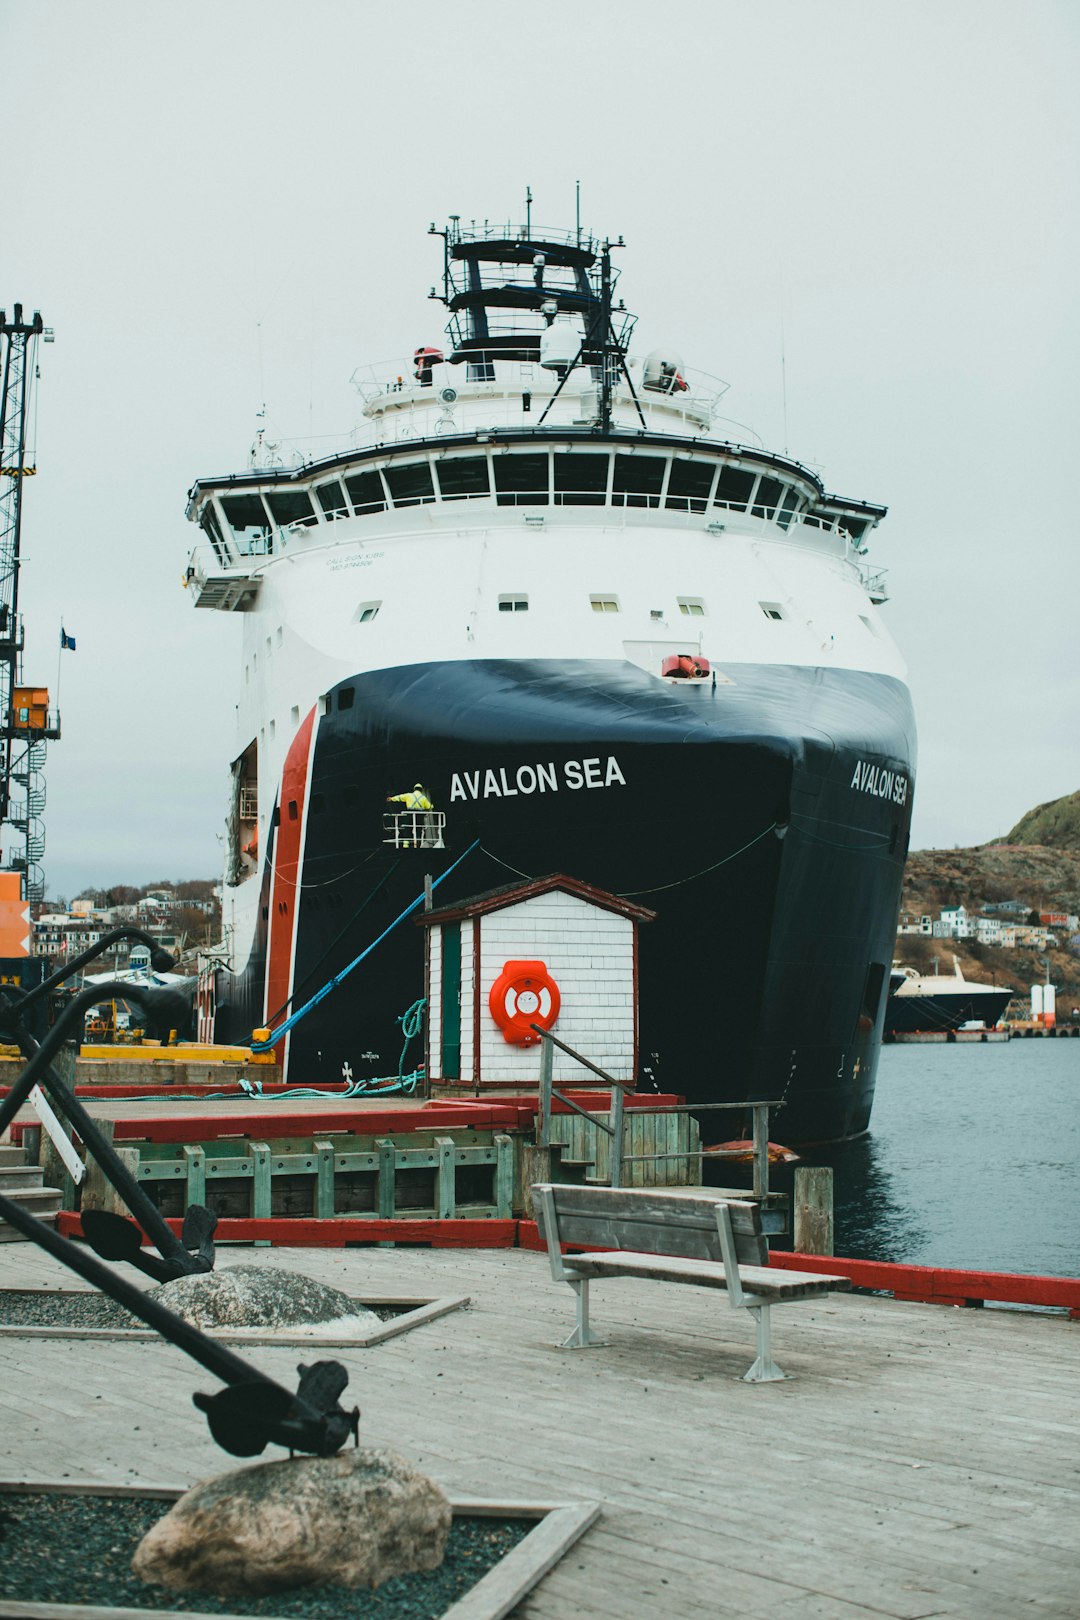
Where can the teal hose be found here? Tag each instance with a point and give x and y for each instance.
(412, 1022)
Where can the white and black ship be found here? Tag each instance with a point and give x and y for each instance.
(610, 641)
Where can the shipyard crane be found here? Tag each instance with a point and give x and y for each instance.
(26, 723)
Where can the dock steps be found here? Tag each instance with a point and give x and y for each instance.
(42, 1202)
(22, 1183)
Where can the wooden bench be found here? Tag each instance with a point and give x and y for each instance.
(670, 1236)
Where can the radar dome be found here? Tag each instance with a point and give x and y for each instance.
(559, 347)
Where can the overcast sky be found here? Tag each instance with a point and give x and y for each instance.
(222, 204)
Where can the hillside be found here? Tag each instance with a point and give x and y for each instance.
(1044, 877)
(1055, 825)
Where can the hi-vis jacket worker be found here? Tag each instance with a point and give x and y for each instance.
(417, 803)
(416, 799)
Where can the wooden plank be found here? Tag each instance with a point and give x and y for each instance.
(445, 1182)
(503, 1587)
(324, 1184)
(387, 1197)
(259, 1155)
(655, 1222)
(504, 1177)
(195, 1176)
(774, 1287)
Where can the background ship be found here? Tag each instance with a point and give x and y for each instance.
(929, 1001)
(609, 641)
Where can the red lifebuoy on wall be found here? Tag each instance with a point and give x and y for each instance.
(524, 994)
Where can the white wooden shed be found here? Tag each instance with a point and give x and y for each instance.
(553, 950)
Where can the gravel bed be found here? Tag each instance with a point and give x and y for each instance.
(41, 1308)
(78, 1549)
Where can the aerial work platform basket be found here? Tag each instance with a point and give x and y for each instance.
(414, 829)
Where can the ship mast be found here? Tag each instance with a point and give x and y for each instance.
(25, 721)
(507, 286)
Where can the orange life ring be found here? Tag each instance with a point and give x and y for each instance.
(522, 995)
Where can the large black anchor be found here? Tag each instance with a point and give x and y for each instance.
(112, 1236)
(252, 1411)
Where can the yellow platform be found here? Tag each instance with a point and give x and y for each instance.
(179, 1052)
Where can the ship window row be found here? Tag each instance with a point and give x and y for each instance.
(578, 477)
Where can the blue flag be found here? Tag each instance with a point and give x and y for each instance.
(66, 640)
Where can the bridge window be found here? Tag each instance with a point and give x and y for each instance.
(513, 604)
(367, 611)
(410, 485)
(521, 480)
(291, 506)
(733, 488)
(637, 480)
(246, 512)
(771, 610)
(692, 606)
(604, 604)
(366, 492)
(787, 507)
(689, 485)
(210, 526)
(581, 480)
(768, 493)
(463, 476)
(331, 498)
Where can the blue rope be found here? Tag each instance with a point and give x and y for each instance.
(332, 984)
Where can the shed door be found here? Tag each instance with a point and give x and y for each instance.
(451, 1001)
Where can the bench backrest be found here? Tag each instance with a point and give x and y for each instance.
(646, 1221)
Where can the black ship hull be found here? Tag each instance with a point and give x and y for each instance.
(764, 819)
(912, 1014)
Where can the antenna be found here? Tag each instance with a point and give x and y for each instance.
(528, 210)
(783, 377)
(577, 189)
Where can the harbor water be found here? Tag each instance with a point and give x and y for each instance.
(972, 1160)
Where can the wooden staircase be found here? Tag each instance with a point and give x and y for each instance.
(22, 1183)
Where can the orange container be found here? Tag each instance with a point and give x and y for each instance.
(30, 708)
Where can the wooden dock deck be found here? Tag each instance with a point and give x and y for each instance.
(923, 1461)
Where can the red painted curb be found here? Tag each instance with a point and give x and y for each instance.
(939, 1284)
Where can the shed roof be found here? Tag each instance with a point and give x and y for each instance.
(512, 894)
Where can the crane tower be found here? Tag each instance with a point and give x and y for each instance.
(26, 722)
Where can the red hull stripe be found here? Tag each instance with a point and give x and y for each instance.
(283, 888)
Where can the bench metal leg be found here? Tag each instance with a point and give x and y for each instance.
(581, 1338)
(764, 1370)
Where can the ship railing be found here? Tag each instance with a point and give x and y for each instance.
(414, 829)
(487, 230)
(874, 583)
(759, 1111)
(390, 391)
